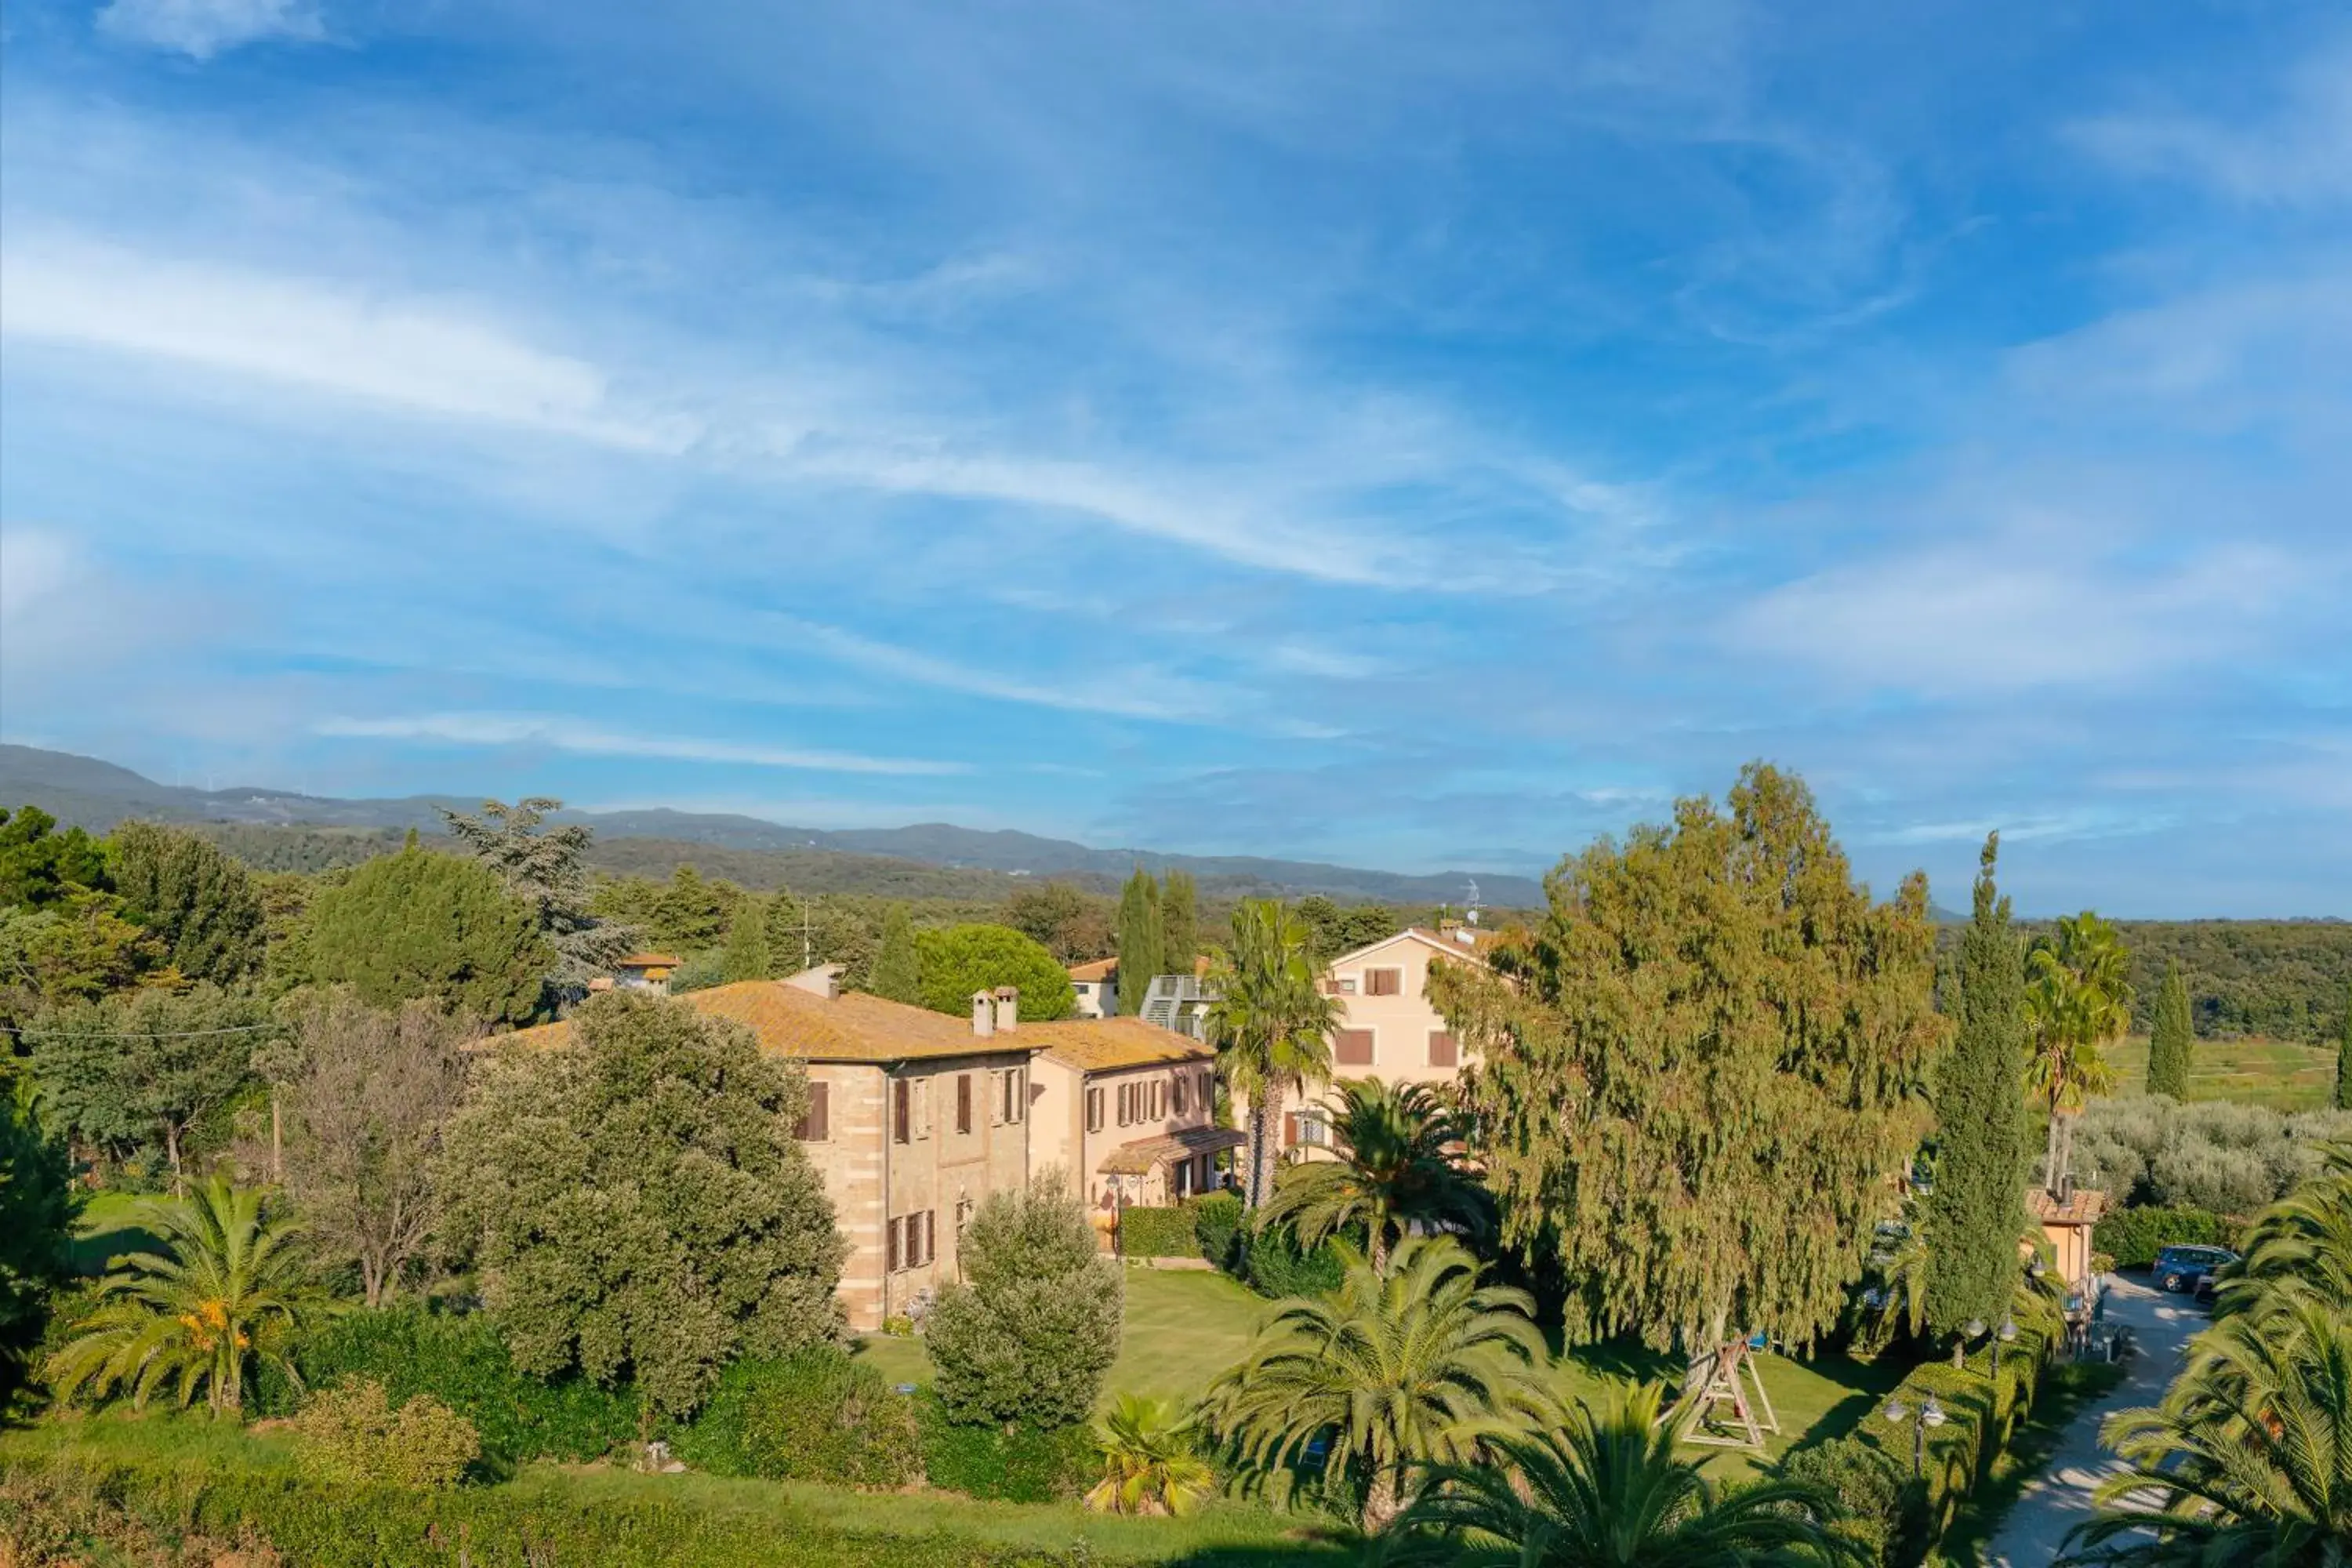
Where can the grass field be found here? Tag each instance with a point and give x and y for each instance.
(1184, 1328)
(1222, 1533)
(2276, 1073)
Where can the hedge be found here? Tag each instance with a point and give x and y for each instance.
(1019, 1463)
(1956, 1453)
(463, 1363)
(2134, 1236)
(1157, 1232)
(325, 1525)
(817, 1415)
(1217, 1229)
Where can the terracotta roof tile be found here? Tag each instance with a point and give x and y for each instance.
(1098, 1045)
(851, 1028)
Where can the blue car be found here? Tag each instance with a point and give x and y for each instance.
(2184, 1267)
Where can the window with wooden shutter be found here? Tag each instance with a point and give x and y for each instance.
(1383, 982)
(815, 1123)
(902, 1111)
(1443, 1051)
(1351, 1047)
(964, 1103)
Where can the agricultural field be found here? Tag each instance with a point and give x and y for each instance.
(2279, 1074)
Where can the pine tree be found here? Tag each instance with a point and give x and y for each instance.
(1972, 1215)
(746, 957)
(2344, 1059)
(1179, 922)
(200, 905)
(898, 971)
(2174, 1043)
(1142, 941)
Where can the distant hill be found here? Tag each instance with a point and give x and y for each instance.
(98, 794)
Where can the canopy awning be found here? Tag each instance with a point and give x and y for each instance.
(1144, 1154)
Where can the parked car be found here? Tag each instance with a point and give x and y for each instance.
(2183, 1268)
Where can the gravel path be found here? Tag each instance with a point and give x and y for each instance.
(2059, 1498)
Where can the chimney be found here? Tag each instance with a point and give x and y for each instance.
(1008, 1009)
(983, 1014)
(824, 980)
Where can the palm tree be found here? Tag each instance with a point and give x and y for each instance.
(2247, 1462)
(227, 1286)
(1399, 1164)
(1607, 1488)
(1149, 1464)
(2078, 999)
(1271, 1023)
(1417, 1365)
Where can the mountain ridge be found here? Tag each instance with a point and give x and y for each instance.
(96, 795)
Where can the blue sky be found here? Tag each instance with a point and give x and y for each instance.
(1407, 434)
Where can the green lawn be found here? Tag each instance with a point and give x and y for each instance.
(1184, 1328)
(105, 1230)
(2276, 1073)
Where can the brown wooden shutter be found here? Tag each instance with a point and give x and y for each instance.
(964, 1103)
(1351, 1047)
(815, 1122)
(1442, 1052)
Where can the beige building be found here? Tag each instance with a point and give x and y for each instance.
(915, 1117)
(1388, 1030)
(1130, 1108)
(1097, 985)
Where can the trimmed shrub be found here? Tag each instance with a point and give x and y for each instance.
(1279, 1268)
(2134, 1236)
(1017, 1462)
(351, 1433)
(1882, 1509)
(1157, 1233)
(817, 1415)
(1217, 1229)
(462, 1362)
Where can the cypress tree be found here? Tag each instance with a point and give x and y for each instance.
(1179, 922)
(898, 971)
(2174, 1042)
(747, 956)
(2344, 1058)
(1974, 1213)
(1142, 941)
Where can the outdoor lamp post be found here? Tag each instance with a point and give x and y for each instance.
(1931, 1414)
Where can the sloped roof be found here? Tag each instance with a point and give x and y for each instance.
(2084, 1208)
(851, 1028)
(1099, 1044)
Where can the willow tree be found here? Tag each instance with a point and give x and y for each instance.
(1702, 1073)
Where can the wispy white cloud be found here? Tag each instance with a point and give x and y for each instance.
(203, 28)
(405, 353)
(2016, 611)
(1130, 694)
(571, 735)
(2298, 153)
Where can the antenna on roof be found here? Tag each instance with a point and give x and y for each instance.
(1470, 916)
